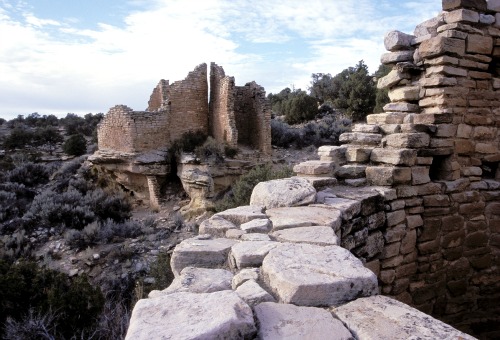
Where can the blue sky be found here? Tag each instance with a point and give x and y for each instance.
(81, 56)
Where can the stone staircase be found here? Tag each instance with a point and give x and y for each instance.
(294, 264)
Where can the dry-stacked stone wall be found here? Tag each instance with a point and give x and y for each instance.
(438, 146)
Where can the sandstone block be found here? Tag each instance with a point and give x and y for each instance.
(243, 214)
(348, 207)
(317, 235)
(250, 253)
(286, 192)
(394, 156)
(408, 140)
(493, 5)
(198, 280)
(245, 275)
(479, 44)
(257, 226)
(420, 175)
(285, 321)
(486, 19)
(283, 218)
(216, 226)
(253, 294)
(308, 275)
(366, 128)
(461, 15)
(396, 57)
(334, 153)
(358, 154)
(218, 315)
(315, 168)
(406, 93)
(397, 41)
(386, 118)
(255, 237)
(351, 171)
(394, 320)
(437, 46)
(401, 107)
(448, 5)
(429, 27)
(204, 253)
(391, 79)
(387, 175)
(360, 138)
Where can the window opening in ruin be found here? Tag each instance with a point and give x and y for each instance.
(440, 168)
(490, 169)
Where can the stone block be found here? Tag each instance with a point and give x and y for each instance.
(242, 214)
(250, 253)
(408, 140)
(386, 118)
(383, 175)
(308, 275)
(420, 175)
(437, 46)
(397, 41)
(395, 218)
(461, 16)
(401, 107)
(448, 5)
(315, 168)
(283, 218)
(286, 192)
(493, 5)
(394, 156)
(358, 154)
(360, 138)
(391, 79)
(436, 201)
(317, 235)
(216, 226)
(285, 321)
(253, 294)
(257, 226)
(396, 57)
(192, 316)
(244, 275)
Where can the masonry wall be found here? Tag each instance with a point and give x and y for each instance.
(438, 146)
(221, 107)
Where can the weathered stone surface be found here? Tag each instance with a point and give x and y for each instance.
(428, 28)
(358, 154)
(406, 93)
(401, 107)
(216, 226)
(255, 237)
(318, 235)
(461, 15)
(198, 280)
(285, 321)
(408, 140)
(250, 253)
(394, 156)
(479, 44)
(314, 168)
(245, 275)
(493, 5)
(396, 57)
(360, 138)
(283, 218)
(386, 118)
(397, 41)
(219, 315)
(437, 46)
(349, 208)
(243, 214)
(332, 153)
(261, 225)
(253, 294)
(380, 317)
(387, 175)
(288, 192)
(391, 79)
(309, 275)
(454, 4)
(351, 171)
(196, 252)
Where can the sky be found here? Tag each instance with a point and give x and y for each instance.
(85, 56)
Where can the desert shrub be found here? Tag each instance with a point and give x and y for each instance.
(75, 145)
(110, 230)
(15, 199)
(230, 151)
(2, 121)
(19, 138)
(282, 134)
(242, 188)
(15, 245)
(70, 168)
(29, 174)
(106, 206)
(32, 326)
(161, 271)
(188, 142)
(25, 286)
(210, 150)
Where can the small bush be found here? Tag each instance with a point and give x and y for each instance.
(242, 189)
(210, 150)
(29, 174)
(229, 151)
(32, 326)
(161, 271)
(75, 145)
(188, 142)
(106, 206)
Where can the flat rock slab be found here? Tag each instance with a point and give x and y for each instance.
(250, 253)
(288, 192)
(243, 214)
(216, 226)
(253, 294)
(195, 252)
(245, 275)
(380, 317)
(255, 237)
(198, 280)
(318, 235)
(310, 275)
(315, 168)
(219, 315)
(285, 321)
(348, 207)
(283, 218)
(261, 225)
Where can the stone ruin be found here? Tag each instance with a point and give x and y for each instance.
(133, 145)
(408, 208)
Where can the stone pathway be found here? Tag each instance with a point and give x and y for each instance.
(274, 272)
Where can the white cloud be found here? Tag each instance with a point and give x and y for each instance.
(54, 65)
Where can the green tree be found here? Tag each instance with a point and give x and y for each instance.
(297, 106)
(75, 145)
(356, 96)
(382, 96)
(48, 136)
(18, 139)
(323, 87)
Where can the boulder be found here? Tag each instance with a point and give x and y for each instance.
(288, 192)
(310, 275)
(216, 226)
(284, 321)
(243, 214)
(283, 218)
(250, 253)
(253, 294)
(198, 280)
(198, 252)
(219, 315)
(245, 275)
(380, 317)
(397, 41)
(318, 235)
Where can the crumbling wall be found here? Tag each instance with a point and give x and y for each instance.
(158, 100)
(253, 117)
(221, 108)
